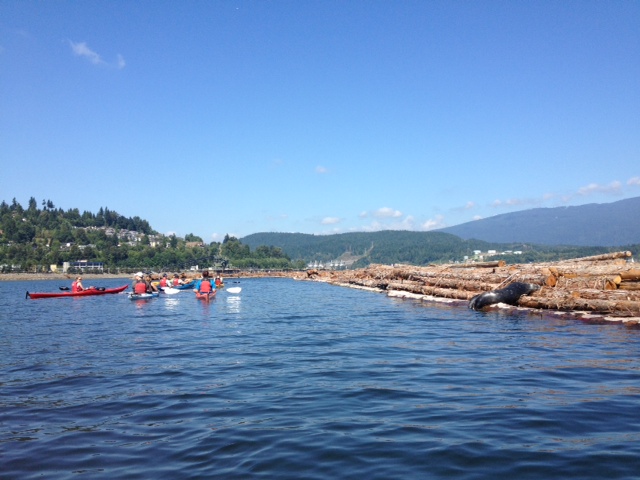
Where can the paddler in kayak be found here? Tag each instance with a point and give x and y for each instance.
(204, 287)
(139, 286)
(151, 288)
(77, 285)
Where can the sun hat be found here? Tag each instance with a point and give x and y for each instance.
(139, 274)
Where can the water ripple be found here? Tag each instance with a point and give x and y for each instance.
(305, 380)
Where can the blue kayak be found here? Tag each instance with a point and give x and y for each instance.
(143, 296)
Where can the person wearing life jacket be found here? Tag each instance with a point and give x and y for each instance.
(176, 280)
(138, 285)
(164, 282)
(150, 286)
(204, 285)
(218, 282)
(77, 285)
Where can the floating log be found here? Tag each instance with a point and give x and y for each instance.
(498, 263)
(604, 256)
(569, 303)
(633, 274)
(605, 282)
(456, 284)
(602, 284)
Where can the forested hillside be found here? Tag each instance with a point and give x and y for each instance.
(35, 238)
(416, 248)
(608, 224)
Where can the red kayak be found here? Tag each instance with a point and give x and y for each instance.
(83, 293)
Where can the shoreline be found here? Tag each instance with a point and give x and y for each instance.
(597, 289)
(11, 277)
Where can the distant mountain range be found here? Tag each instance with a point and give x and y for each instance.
(541, 234)
(594, 224)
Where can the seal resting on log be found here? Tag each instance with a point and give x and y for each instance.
(509, 295)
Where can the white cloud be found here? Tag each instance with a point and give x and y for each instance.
(386, 212)
(516, 202)
(613, 187)
(433, 223)
(364, 214)
(321, 170)
(120, 62)
(330, 220)
(81, 49)
(633, 181)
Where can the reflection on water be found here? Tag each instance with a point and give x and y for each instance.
(171, 302)
(306, 380)
(233, 303)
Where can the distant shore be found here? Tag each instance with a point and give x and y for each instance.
(101, 276)
(7, 277)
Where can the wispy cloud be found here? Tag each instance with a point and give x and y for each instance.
(434, 223)
(330, 220)
(321, 170)
(516, 202)
(386, 212)
(81, 49)
(633, 181)
(467, 206)
(612, 188)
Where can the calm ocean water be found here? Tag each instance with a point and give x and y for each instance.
(306, 380)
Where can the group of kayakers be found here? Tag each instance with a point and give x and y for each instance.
(203, 286)
(176, 282)
(142, 283)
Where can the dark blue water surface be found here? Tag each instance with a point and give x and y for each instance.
(307, 380)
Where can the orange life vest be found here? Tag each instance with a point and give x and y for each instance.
(163, 282)
(140, 287)
(74, 287)
(176, 282)
(205, 286)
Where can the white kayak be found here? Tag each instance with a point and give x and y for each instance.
(170, 291)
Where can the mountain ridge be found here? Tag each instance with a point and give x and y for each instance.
(593, 224)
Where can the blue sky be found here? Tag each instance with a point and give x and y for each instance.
(216, 117)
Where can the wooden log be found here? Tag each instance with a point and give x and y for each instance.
(497, 263)
(448, 293)
(629, 286)
(633, 274)
(456, 284)
(586, 270)
(604, 282)
(604, 256)
(610, 295)
(569, 303)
